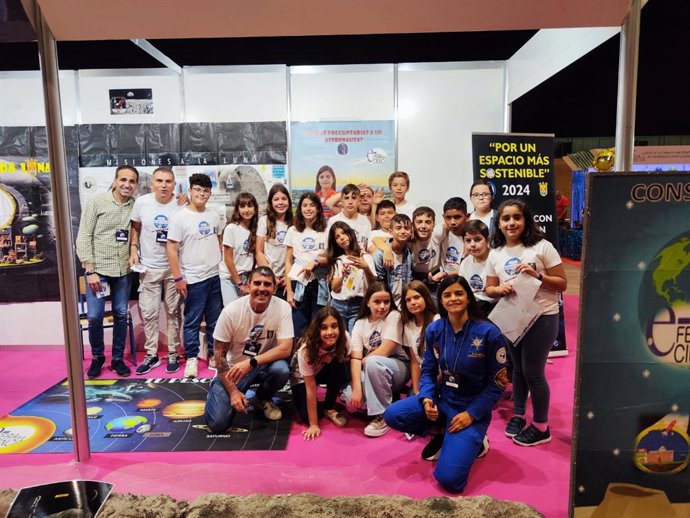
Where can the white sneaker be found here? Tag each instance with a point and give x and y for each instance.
(191, 368)
(271, 411)
(377, 427)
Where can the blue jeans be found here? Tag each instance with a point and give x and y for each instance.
(119, 294)
(203, 302)
(348, 309)
(306, 308)
(271, 378)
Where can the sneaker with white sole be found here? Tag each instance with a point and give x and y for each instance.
(173, 364)
(377, 427)
(432, 451)
(150, 362)
(271, 411)
(485, 448)
(191, 369)
(532, 436)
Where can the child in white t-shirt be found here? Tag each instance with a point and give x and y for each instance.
(349, 201)
(418, 311)
(321, 358)
(473, 266)
(379, 365)
(305, 261)
(350, 271)
(239, 244)
(270, 234)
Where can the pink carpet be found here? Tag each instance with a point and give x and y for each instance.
(340, 462)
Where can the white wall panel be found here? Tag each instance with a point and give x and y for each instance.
(347, 92)
(94, 86)
(440, 106)
(21, 98)
(235, 94)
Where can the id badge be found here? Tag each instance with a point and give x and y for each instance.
(121, 235)
(105, 290)
(450, 379)
(251, 348)
(161, 236)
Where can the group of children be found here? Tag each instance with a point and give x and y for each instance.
(362, 286)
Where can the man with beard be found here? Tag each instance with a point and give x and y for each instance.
(253, 343)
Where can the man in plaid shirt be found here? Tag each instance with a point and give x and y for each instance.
(103, 249)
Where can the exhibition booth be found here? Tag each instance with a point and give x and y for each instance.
(249, 127)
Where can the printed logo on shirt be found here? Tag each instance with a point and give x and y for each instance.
(160, 222)
(280, 236)
(375, 340)
(252, 345)
(425, 255)
(510, 265)
(204, 228)
(476, 283)
(308, 244)
(398, 273)
(452, 255)
(477, 344)
(245, 246)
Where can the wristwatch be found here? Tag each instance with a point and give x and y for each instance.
(253, 362)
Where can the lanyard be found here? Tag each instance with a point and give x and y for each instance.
(457, 356)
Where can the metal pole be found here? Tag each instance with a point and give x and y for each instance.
(63, 234)
(507, 106)
(627, 88)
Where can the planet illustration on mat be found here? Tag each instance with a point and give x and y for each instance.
(185, 409)
(128, 423)
(93, 410)
(22, 434)
(148, 403)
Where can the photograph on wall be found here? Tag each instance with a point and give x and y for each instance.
(131, 101)
(631, 424)
(28, 257)
(354, 151)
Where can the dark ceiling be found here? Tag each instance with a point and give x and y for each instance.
(578, 101)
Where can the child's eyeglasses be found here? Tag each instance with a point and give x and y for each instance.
(481, 195)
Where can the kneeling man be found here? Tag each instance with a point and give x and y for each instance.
(253, 342)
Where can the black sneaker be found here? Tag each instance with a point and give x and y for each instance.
(485, 448)
(96, 367)
(432, 451)
(173, 363)
(120, 368)
(515, 426)
(531, 436)
(149, 363)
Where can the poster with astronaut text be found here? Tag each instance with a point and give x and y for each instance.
(632, 412)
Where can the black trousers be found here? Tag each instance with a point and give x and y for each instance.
(333, 375)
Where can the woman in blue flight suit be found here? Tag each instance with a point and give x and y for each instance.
(469, 354)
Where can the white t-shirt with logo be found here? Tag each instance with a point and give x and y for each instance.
(360, 224)
(475, 273)
(355, 282)
(542, 256)
(367, 335)
(237, 237)
(274, 248)
(424, 254)
(300, 366)
(197, 233)
(451, 249)
(155, 219)
(411, 336)
(250, 333)
(307, 245)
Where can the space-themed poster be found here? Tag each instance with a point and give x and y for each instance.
(355, 151)
(28, 257)
(237, 157)
(633, 378)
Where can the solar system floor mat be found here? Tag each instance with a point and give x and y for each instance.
(138, 415)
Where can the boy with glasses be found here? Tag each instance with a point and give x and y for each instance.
(481, 195)
(193, 248)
